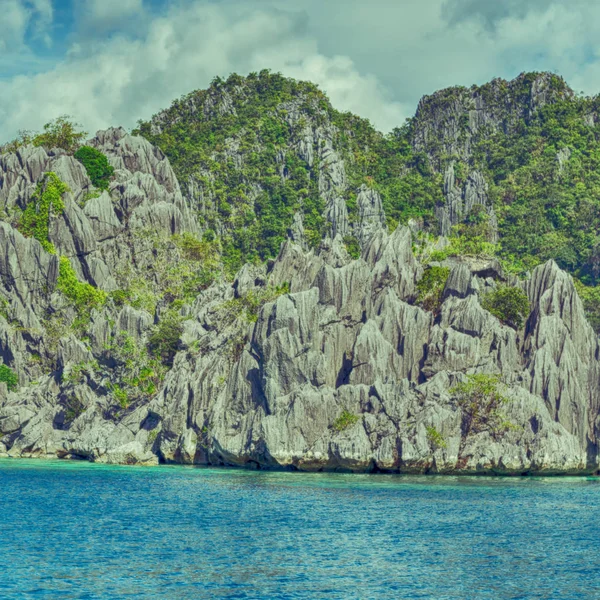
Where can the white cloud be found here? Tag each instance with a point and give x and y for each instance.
(98, 16)
(17, 15)
(376, 59)
(120, 79)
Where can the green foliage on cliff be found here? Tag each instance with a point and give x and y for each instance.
(237, 142)
(408, 186)
(590, 296)
(58, 133)
(509, 304)
(352, 246)
(46, 200)
(542, 166)
(136, 372)
(472, 236)
(9, 377)
(236, 147)
(180, 268)
(96, 164)
(247, 306)
(345, 420)
(164, 340)
(252, 201)
(481, 400)
(83, 295)
(435, 438)
(431, 286)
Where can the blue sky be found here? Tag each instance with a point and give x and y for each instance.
(111, 62)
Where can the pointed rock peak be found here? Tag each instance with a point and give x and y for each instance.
(109, 136)
(333, 252)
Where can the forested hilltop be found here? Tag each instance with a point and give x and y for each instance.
(248, 152)
(252, 277)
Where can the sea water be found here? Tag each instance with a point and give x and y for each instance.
(78, 530)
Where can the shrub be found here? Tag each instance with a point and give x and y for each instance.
(480, 399)
(431, 287)
(435, 438)
(120, 395)
(509, 304)
(248, 305)
(352, 246)
(46, 199)
(135, 374)
(164, 340)
(96, 164)
(9, 377)
(438, 255)
(83, 295)
(472, 237)
(345, 420)
(590, 296)
(60, 133)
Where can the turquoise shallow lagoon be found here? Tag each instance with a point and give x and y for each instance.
(78, 530)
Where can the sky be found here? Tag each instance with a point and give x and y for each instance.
(112, 62)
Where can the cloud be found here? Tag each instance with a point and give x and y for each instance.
(96, 17)
(490, 13)
(376, 59)
(119, 79)
(17, 17)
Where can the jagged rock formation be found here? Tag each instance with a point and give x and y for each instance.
(451, 122)
(448, 121)
(311, 360)
(461, 200)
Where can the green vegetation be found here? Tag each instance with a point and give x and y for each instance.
(590, 296)
(59, 133)
(74, 407)
(509, 304)
(76, 373)
(247, 306)
(120, 395)
(83, 295)
(9, 377)
(255, 220)
(136, 373)
(46, 200)
(472, 237)
(180, 268)
(352, 246)
(547, 208)
(480, 399)
(164, 340)
(345, 420)
(431, 286)
(435, 439)
(96, 164)
(251, 203)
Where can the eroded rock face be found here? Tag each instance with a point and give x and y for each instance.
(345, 371)
(450, 122)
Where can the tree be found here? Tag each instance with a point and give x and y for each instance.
(480, 400)
(509, 304)
(431, 286)
(96, 164)
(60, 133)
(9, 377)
(164, 341)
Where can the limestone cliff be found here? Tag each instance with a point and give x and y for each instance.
(311, 360)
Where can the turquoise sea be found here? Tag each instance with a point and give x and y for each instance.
(78, 530)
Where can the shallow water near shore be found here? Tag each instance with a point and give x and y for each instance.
(78, 530)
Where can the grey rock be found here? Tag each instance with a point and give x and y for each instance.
(345, 371)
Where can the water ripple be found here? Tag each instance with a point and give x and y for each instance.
(75, 530)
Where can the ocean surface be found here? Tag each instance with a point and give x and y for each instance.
(79, 530)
